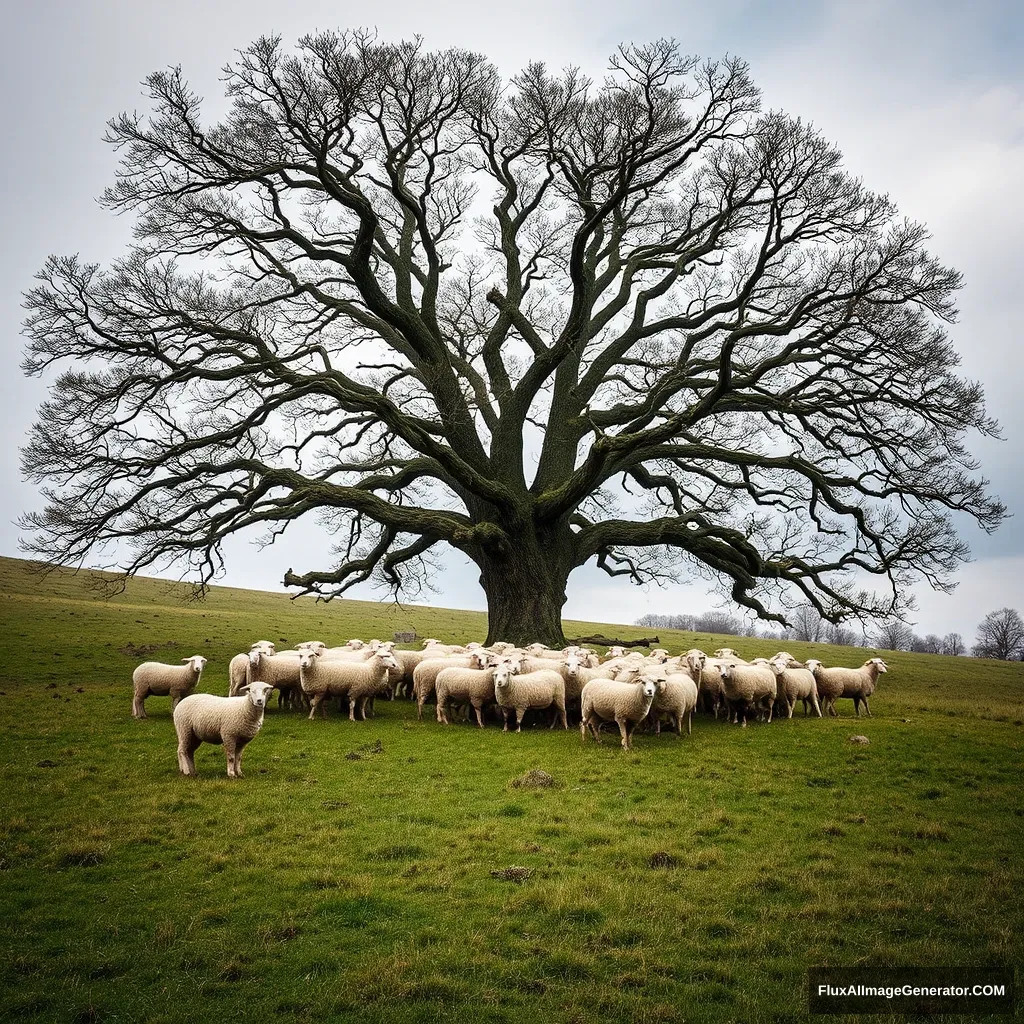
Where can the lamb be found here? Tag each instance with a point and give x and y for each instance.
(154, 678)
(519, 693)
(794, 684)
(232, 721)
(464, 686)
(611, 701)
(749, 686)
(357, 680)
(858, 683)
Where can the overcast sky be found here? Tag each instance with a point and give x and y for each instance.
(924, 98)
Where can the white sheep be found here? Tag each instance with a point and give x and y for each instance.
(280, 670)
(858, 683)
(231, 721)
(676, 697)
(155, 679)
(424, 674)
(531, 690)
(626, 704)
(356, 680)
(794, 683)
(748, 686)
(473, 686)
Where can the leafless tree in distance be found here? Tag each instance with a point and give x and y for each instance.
(545, 322)
(1000, 635)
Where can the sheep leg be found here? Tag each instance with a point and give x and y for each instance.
(239, 747)
(231, 752)
(689, 723)
(187, 747)
(314, 704)
(623, 725)
(442, 717)
(866, 708)
(561, 714)
(138, 708)
(479, 708)
(520, 715)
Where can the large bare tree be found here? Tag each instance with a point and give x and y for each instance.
(544, 322)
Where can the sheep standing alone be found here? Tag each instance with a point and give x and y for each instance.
(748, 686)
(858, 683)
(231, 721)
(531, 690)
(155, 679)
(608, 700)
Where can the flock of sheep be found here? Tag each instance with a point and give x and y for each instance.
(627, 689)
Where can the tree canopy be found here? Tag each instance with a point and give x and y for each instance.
(547, 321)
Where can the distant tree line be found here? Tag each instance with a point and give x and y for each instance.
(1000, 634)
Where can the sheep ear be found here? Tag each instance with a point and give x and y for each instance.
(244, 688)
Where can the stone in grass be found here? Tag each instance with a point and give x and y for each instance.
(862, 740)
(534, 779)
(514, 873)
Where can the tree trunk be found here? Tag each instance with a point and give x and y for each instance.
(525, 588)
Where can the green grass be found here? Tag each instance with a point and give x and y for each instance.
(692, 879)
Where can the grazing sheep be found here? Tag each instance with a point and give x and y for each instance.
(748, 686)
(521, 692)
(231, 721)
(473, 686)
(794, 684)
(155, 679)
(606, 700)
(858, 683)
(356, 680)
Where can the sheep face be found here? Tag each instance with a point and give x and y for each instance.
(257, 693)
(197, 662)
(725, 652)
(813, 664)
(695, 660)
(650, 686)
(356, 645)
(307, 658)
(877, 661)
(788, 660)
(504, 671)
(312, 645)
(264, 646)
(615, 652)
(387, 659)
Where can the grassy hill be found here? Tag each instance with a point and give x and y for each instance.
(350, 875)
